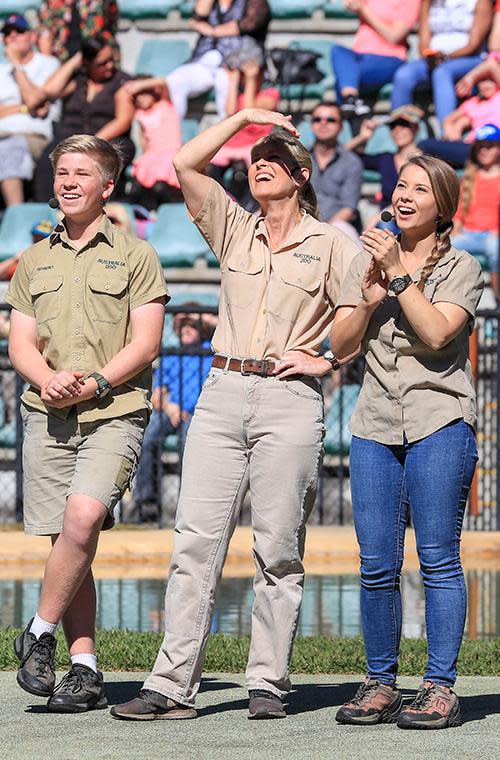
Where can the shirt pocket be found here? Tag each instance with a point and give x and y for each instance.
(291, 294)
(240, 280)
(46, 297)
(107, 298)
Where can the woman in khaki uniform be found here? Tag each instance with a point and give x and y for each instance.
(259, 419)
(410, 302)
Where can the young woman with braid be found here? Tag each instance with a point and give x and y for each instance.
(409, 302)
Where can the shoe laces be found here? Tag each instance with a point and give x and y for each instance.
(42, 651)
(75, 680)
(363, 692)
(423, 697)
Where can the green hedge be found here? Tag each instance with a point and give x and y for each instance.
(127, 650)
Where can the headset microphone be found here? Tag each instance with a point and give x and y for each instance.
(54, 203)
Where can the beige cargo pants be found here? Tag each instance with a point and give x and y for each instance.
(247, 431)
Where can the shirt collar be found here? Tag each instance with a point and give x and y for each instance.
(306, 228)
(105, 232)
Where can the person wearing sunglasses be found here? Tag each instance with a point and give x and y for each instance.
(337, 173)
(25, 123)
(93, 103)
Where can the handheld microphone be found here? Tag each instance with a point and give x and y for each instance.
(386, 216)
(54, 203)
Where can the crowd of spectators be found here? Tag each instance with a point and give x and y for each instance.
(64, 77)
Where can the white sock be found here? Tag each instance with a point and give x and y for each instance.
(39, 626)
(90, 660)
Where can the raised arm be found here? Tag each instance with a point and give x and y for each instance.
(124, 113)
(57, 85)
(192, 159)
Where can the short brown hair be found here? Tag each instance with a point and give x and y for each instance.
(108, 157)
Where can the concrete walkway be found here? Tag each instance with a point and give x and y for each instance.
(222, 731)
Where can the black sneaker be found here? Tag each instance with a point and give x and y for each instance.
(352, 107)
(79, 690)
(150, 705)
(264, 704)
(37, 672)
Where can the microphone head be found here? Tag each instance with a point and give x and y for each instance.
(386, 216)
(54, 203)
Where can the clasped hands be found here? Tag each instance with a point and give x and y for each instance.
(66, 388)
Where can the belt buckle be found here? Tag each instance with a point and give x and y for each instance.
(242, 371)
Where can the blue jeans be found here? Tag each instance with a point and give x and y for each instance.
(433, 475)
(442, 79)
(362, 71)
(159, 427)
(476, 242)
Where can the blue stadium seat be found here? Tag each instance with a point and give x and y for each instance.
(138, 9)
(17, 6)
(189, 129)
(160, 57)
(15, 230)
(338, 436)
(175, 237)
(323, 47)
(337, 9)
(289, 9)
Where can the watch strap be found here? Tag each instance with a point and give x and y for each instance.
(399, 284)
(103, 385)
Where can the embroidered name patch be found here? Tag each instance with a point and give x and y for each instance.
(110, 263)
(306, 258)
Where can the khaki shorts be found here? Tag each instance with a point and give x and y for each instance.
(63, 457)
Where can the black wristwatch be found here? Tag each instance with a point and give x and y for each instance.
(330, 357)
(399, 284)
(103, 387)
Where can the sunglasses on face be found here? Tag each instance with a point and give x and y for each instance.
(328, 119)
(11, 29)
(401, 123)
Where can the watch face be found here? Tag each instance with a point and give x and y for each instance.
(398, 284)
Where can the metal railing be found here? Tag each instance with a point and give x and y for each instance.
(333, 505)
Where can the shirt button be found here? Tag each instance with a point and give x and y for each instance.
(77, 331)
(77, 358)
(77, 305)
(106, 287)
(77, 279)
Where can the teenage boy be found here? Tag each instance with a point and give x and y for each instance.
(88, 306)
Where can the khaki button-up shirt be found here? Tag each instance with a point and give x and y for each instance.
(81, 301)
(410, 389)
(272, 301)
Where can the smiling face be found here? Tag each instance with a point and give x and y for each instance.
(414, 203)
(273, 174)
(79, 186)
(488, 154)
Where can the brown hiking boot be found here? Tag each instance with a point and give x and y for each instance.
(434, 706)
(374, 702)
(265, 704)
(150, 705)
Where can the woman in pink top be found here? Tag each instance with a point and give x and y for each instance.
(155, 180)
(461, 126)
(379, 49)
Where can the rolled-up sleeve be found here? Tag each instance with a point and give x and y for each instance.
(350, 291)
(463, 286)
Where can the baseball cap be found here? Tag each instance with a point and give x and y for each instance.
(17, 22)
(488, 132)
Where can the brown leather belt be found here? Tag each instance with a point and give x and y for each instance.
(261, 367)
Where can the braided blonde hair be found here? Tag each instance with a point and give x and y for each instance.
(446, 189)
